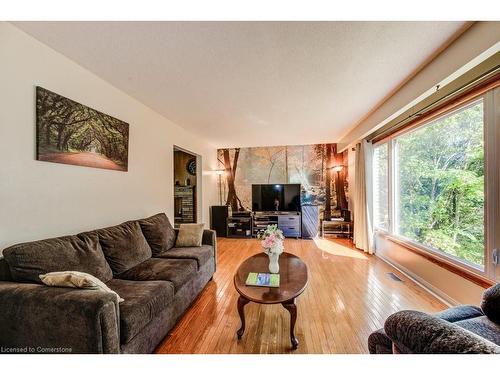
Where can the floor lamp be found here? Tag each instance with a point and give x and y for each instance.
(219, 173)
(338, 169)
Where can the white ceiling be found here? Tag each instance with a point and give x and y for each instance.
(251, 83)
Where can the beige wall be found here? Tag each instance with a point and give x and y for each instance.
(41, 199)
(451, 287)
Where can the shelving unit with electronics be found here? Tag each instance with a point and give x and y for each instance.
(289, 222)
(337, 228)
(239, 226)
(261, 220)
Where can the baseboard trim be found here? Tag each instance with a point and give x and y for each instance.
(439, 294)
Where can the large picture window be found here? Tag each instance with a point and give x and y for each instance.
(429, 186)
(439, 184)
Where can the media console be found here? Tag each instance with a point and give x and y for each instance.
(290, 222)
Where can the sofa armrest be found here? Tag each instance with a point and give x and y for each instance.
(491, 303)
(42, 319)
(210, 238)
(379, 343)
(418, 332)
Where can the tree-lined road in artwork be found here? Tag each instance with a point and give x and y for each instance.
(87, 159)
(72, 133)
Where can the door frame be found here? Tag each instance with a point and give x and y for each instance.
(199, 187)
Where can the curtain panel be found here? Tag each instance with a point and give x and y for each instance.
(363, 197)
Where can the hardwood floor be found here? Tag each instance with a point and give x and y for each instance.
(349, 295)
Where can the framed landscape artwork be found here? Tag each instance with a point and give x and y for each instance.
(72, 133)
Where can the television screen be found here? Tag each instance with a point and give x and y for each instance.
(276, 197)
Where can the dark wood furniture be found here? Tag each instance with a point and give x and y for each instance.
(239, 226)
(209, 326)
(218, 220)
(288, 221)
(293, 281)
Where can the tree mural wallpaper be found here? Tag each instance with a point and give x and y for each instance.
(72, 133)
(320, 169)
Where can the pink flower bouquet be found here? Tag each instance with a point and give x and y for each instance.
(272, 239)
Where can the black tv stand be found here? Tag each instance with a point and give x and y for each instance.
(290, 222)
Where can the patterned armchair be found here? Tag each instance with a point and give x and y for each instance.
(460, 329)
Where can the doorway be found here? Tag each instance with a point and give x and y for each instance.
(185, 187)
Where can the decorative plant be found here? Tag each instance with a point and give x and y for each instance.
(271, 239)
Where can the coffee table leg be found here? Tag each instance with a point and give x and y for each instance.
(292, 309)
(242, 301)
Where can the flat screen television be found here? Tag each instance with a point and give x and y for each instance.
(276, 197)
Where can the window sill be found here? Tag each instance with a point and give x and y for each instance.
(449, 265)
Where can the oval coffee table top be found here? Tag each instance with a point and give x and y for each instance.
(293, 279)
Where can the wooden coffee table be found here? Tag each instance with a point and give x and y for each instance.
(293, 281)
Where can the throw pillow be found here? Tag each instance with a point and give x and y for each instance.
(189, 235)
(75, 279)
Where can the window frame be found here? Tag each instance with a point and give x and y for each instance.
(491, 135)
(389, 188)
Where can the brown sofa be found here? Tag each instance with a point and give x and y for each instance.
(136, 259)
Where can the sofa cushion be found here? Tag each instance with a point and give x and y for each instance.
(81, 253)
(158, 232)
(144, 300)
(178, 271)
(461, 312)
(491, 303)
(124, 246)
(201, 254)
(483, 327)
